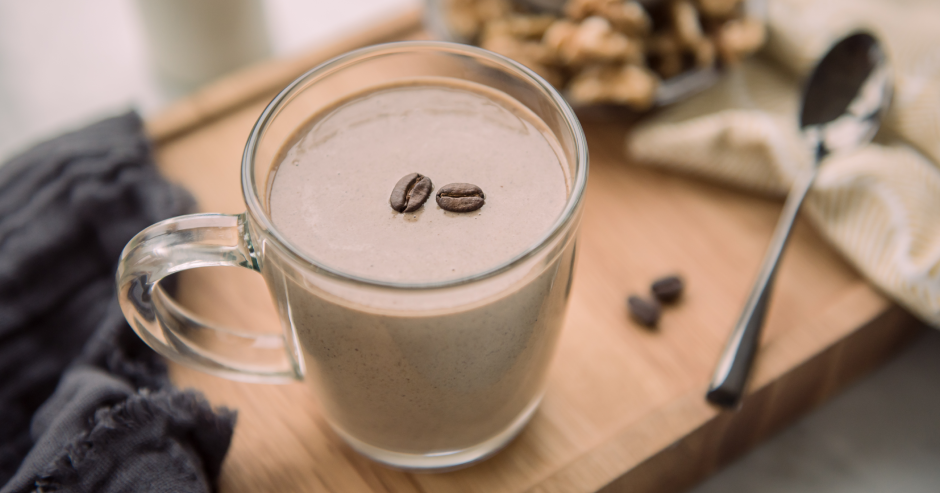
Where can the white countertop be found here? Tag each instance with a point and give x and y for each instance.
(882, 435)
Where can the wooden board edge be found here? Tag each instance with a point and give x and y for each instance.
(681, 444)
(264, 79)
(769, 410)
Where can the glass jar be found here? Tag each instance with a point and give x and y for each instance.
(668, 49)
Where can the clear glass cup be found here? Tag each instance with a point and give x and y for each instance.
(418, 376)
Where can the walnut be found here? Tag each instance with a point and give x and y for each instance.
(685, 20)
(626, 16)
(705, 53)
(466, 18)
(559, 34)
(492, 9)
(529, 26)
(532, 54)
(605, 50)
(517, 48)
(625, 84)
(519, 26)
(718, 8)
(594, 40)
(738, 38)
(581, 9)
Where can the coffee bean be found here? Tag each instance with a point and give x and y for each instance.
(667, 289)
(460, 197)
(410, 193)
(644, 311)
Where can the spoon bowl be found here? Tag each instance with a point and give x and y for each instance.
(847, 96)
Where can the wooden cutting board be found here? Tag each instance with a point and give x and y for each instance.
(624, 410)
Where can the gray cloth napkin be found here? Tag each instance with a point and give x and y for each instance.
(84, 404)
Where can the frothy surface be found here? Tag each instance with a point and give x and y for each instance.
(330, 193)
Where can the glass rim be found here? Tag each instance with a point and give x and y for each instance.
(259, 214)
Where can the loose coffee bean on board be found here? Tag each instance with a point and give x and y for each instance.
(410, 193)
(460, 197)
(667, 289)
(644, 311)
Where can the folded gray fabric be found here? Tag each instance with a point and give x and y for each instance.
(84, 404)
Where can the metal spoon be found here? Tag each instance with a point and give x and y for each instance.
(844, 102)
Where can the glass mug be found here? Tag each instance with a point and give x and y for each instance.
(417, 376)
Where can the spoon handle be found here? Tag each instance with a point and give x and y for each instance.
(734, 366)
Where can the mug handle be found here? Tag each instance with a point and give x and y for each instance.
(189, 242)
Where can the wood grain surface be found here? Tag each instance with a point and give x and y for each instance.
(624, 410)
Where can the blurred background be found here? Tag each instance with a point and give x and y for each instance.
(64, 64)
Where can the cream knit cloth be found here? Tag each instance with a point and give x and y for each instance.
(879, 205)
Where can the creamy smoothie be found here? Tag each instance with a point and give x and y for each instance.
(421, 372)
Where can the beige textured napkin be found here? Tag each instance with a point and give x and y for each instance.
(880, 205)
